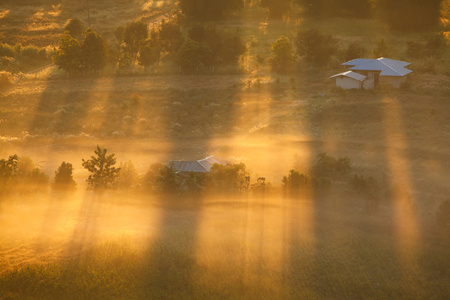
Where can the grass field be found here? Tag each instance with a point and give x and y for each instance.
(223, 248)
(135, 247)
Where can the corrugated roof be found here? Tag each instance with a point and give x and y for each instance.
(387, 67)
(352, 75)
(199, 166)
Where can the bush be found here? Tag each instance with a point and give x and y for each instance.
(283, 56)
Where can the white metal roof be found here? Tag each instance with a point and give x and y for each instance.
(352, 75)
(199, 166)
(387, 67)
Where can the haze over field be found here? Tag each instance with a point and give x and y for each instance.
(328, 193)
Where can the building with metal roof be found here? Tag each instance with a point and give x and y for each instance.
(199, 166)
(381, 70)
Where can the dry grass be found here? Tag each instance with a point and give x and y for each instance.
(223, 248)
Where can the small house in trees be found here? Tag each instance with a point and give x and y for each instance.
(199, 166)
(375, 71)
(349, 80)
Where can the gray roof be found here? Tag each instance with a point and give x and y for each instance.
(199, 166)
(352, 75)
(388, 67)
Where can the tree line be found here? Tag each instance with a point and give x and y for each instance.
(406, 15)
(327, 176)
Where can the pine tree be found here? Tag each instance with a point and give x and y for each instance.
(103, 173)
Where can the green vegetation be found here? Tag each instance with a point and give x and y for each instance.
(101, 166)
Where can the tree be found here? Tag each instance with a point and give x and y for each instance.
(149, 55)
(69, 55)
(8, 168)
(63, 178)
(74, 27)
(232, 47)
(170, 37)
(326, 166)
(207, 9)
(228, 179)
(341, 8)
(134, 36)
(317, 47)
(188, 56)
(119, 34)
(382, 49)
(128, 176)
(103, 173)
(93, 51)
(409, 15)
(283, 56)
(354, 50)
(277, 8)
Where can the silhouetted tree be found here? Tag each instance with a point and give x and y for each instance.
(277, 8)
(69, 55)
(63, 178)
(283, 55)
(228, 179)
(189, 56)
(119, 33)
(74, 27)
(353, 50)
(409, 15)
(326, 166)
(128, 176)
(93, 51)
(149, 55)
(318, 48)
(101, 166)
(207, 9)
(170, 37)
(134, 36)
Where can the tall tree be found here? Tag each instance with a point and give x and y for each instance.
(208, 9)
(134, 36)
(317, 47)
(74, 27)
(68, 56)
(63, 178)
(277, 8)
(409, 15)
(101, 166)
(283, 55)
(93, 51)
